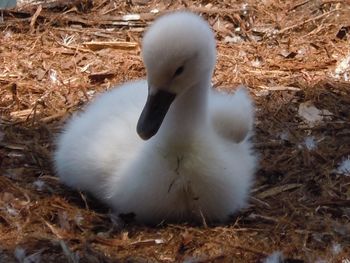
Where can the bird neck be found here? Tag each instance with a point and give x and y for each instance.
(188, 113)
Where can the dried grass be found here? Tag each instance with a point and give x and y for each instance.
(287, 52)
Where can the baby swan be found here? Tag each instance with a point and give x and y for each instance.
(196, 161)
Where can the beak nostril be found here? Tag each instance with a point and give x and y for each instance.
(179, 71)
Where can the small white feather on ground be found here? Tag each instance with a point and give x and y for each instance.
(275, 257)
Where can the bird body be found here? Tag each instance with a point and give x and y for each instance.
(4, 4)
(196, 161)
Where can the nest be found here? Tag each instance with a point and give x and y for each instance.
(293, 55)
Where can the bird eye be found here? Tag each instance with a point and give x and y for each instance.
(178, 71)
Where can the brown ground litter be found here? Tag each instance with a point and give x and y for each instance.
(293, 55)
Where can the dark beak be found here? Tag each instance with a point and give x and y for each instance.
(152, 116)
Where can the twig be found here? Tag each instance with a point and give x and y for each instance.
(305, 22)
(35, 17)
(97, 45)
(53, 117)
(298, 5)
(279, 88)
(251, 250)
(258, 201)
(277, 190)
(76, 48)
(204, 221)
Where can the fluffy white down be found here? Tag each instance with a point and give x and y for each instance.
(232, 115)
(207, 174)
